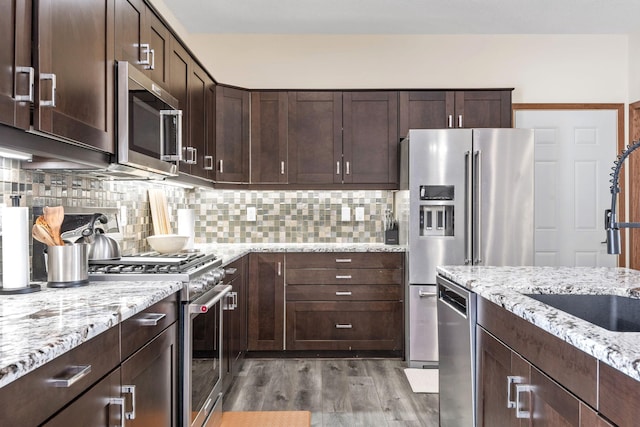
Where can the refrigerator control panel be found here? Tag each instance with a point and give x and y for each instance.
(436, 192)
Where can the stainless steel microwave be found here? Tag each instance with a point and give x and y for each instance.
(149, 124)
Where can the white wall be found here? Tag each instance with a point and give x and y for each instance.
(542, 68)
(634, 68)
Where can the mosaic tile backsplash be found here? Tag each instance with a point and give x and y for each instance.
(221, 215)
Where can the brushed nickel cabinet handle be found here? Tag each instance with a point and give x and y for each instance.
(31, 72)
(337, 168)
(208, 163)
(52, 101)
(145, 49)
(522, 388)
(343, 260)
(450, 121)
(119, 401)
(130, 389)
(279, 268)
(221, 166)
(460, 121)
(343, 293)
(150, 319)
(511, 379)
(348, 276)
(282, 167)
(152, 66)
(423, 294)
(347, 169)
(71, 375)
(344, 326)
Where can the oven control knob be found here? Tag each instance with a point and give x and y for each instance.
(218, 275)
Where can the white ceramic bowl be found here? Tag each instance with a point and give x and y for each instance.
(167, 243)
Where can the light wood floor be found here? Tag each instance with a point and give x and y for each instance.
(338, 392)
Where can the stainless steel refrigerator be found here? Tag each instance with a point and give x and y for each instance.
(466, 199)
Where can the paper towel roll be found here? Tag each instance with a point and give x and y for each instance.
(15, 247)
(187, 225)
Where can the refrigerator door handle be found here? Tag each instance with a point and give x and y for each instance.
(478, 240)
(468, 255)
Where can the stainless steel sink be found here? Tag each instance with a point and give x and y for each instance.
(612, 312)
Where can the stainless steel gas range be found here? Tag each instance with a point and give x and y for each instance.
(203, 296)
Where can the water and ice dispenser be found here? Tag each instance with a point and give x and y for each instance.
(437, 217)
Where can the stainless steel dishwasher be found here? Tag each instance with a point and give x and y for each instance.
(456, 344)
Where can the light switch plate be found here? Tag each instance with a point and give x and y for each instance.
(359, 213)
(251, 213)
(346, 213)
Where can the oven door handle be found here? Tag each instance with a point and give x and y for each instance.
(202, 305)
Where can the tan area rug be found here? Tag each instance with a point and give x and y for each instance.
(422, 380)
(266, 419)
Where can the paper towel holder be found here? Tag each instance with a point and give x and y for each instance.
(33, 287)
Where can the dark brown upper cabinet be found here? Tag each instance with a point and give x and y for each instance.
(16, 92)
(74, 71)
(179, 77)
(432, 109)
(370, 137)
(315, 137)
(198, 151)
(269, 124)
(142, 39)
(232, 135)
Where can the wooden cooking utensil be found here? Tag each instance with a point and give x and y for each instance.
(41, 234)
(54, 217)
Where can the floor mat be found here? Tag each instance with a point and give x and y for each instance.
(266, 419)
(422, 380)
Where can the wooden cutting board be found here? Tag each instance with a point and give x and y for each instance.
(159, 212)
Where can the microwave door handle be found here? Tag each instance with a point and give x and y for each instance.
(177, 115)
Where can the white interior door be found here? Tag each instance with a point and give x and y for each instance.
(574, 153)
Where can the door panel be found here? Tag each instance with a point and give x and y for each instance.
(574, 151)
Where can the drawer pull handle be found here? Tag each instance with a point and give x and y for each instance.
(343, 293)
(345, 260)
(344, 326)
(230, 270)
(71, 375)
(150, 319)
(511, 379)
(130, 389)
(348, 276)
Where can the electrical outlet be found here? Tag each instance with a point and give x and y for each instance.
(251, 213)
(360, 213)
(346, 214)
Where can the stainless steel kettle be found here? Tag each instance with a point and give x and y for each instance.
(101, 247)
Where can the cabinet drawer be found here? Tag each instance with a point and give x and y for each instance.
(345, 260)
(344, 293)
(139, 329)
(33, 398)
(344, 326)
(331, 276)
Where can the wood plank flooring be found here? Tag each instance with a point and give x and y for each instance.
(338, 392)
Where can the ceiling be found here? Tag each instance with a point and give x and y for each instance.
(408, 16)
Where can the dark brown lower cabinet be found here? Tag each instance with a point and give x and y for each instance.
(512, 392)
(344, 325)
(235, 320)
(100, 406)
(266, 302)
(149, 382)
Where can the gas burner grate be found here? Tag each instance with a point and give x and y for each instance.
(151, 263)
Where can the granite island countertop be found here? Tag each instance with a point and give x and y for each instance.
(505, 286)
(36, 328)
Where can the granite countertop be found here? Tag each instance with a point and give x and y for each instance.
(35, 328)
(230, 252)
(505, 286)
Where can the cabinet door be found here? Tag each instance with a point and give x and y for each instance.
(552, 405)
(232, 135)
(499, 370)
(426, 110)
(235, 320)
(129, 33)
(266, 301)
(15, 62)
(196, 150)
(150, 382)
(269, 118)
(483, 109)
(75, 65)
(370, 137)
(315, 137)
(159, 39)
(100, 406)
(179, 66)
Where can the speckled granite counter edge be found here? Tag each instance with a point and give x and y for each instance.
(620, 350)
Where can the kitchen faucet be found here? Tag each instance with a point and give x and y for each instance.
(611, 226)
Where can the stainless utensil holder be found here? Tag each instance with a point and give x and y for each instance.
(67, 266)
